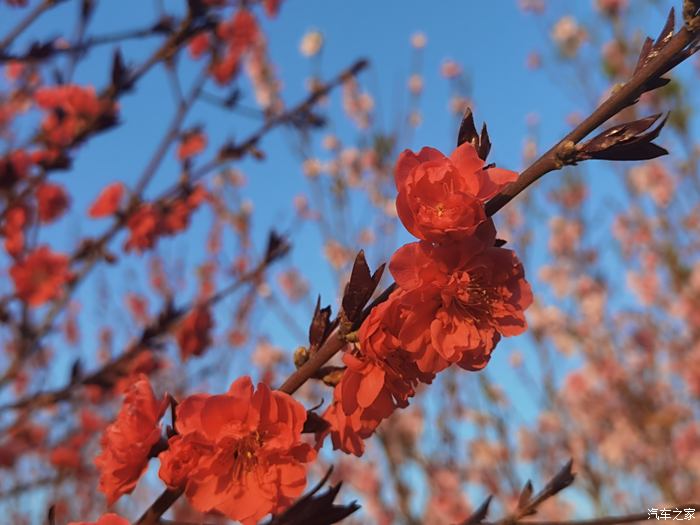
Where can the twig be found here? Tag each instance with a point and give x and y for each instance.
(671, 55)
(678, 49)
(158, 327)
(27, 21)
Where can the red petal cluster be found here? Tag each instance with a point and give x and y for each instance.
(71, 112)
(191, 144)
(52, 200)
(108, 201)
(238, 34)
(457, 293)
(127, 443)
(13, 229)
(40, 276)
(239, 453)
(380, 377)
(107, 519)
(151, 221)
(464, 295)
(442, 198)
(194, 332)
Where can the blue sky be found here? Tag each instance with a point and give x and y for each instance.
(491, 40)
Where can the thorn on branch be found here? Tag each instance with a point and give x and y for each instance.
(51, 516)
(314, 423)
(525, 495)
(650, 48)
(277, 247)
(320, 326)
(121, 76)
(628, 141)
(479, 514)
(316, 509)
(467, 133)
(358, 291)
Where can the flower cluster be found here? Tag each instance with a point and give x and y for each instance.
(228, 45)
(194, 332)
(72, 111)
(40, 276)
(150, 221)
(457, 293)
(127, 443)
(239, 453)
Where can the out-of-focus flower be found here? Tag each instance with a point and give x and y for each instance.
(106, 519)
(126, 443)
(108, 201)
(311, 43)
(568, 35)
(419, 40)
(52, 201)
(194, 332)
(415, 84)
(450, 69)
(40, 276)
(611, 7)
(191, 144)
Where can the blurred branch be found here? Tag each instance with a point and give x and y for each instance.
(27, 21)
(169, 316)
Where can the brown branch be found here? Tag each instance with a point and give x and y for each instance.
(557, 156)
(672, 54)
(159, 506)
(236, 151)
(675, 51)
(27, 21)
(161, 325)
(81, 47)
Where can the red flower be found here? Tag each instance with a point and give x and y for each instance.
(13, 230)
(442, 199)
(379, 378)
(272, 7)
(40, 276)
(151, 221)
(143, 228)
(52, 200)
(107, 203)
(176, 214)
(72, 111)
(464, 295)
(199, 45)
(192, 143)
(127, 443)
(65, 457)
(13, 167)
(106, 519)
(194, 332)
(239, 33)
(239, 453)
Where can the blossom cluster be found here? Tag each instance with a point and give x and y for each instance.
(457, 293)
(239, 454)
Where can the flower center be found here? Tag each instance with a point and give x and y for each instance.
(244, 452)
(471, 296)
